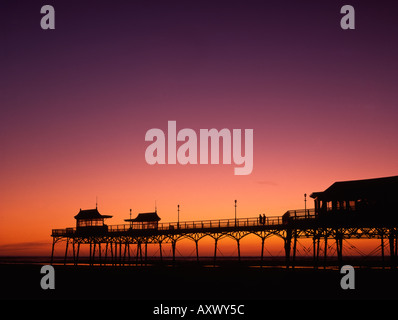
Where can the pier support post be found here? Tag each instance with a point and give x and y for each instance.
(238, 243)
(126, 245)
(106, 253)
(120, 253)
(99, 253)
(128, 252)
(112, 255)
(52, 251)
(197, 250)
(92, 261)
(339, 247)
(396, 244)
(173, 245)
(146, 252)
(215, 250)
(317, 249)
(382, 249)
(316, 241)
(139, 251)
(288, 240)
(89, 255)
(66, 250)
(393, 251)
(74, 251)
(325, 251)
(294, 247)
(77, 253)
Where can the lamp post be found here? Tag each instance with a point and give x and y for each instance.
(178, 217)
(305, 204)
(235, 212)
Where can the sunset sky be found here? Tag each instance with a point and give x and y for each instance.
(77, 101)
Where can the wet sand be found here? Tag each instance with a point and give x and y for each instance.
(189, 281)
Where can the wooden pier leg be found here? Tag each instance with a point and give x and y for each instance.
(314, 249)
(173, 245)
(97, 246)
(146, 252)
(294, 248)
(124, 252)
(339, 247)
(160, 251)
(52, 252)
(197, 250)
(115, 255)
(77, 254)
(391, 240)
(382, 250)
(318, 248)
(112, 256)
(91, 249)
(215, 250)
(73, 250)
(66, 250)
(120, 253)
(99, 253)
(288, 240)
(262, 250)
(315, 240)
(106, 253)
(393, 247)
(126, 247)
(92, 261)
(238, 243)
(325, 252)
(138, 248)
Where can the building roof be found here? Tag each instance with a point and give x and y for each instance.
(145, 217)
(90, 214)
(385, 187)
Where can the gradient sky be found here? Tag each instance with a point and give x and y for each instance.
(77, 101)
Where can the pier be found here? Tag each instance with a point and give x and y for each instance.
(361, 209)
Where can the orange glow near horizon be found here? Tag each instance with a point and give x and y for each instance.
(40, 207)
(46, 190)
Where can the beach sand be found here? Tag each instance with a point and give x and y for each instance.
(190, 281)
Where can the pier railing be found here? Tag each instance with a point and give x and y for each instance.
(300, 214)
(201, 224)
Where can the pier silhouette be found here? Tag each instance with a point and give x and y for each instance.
(360, 209)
